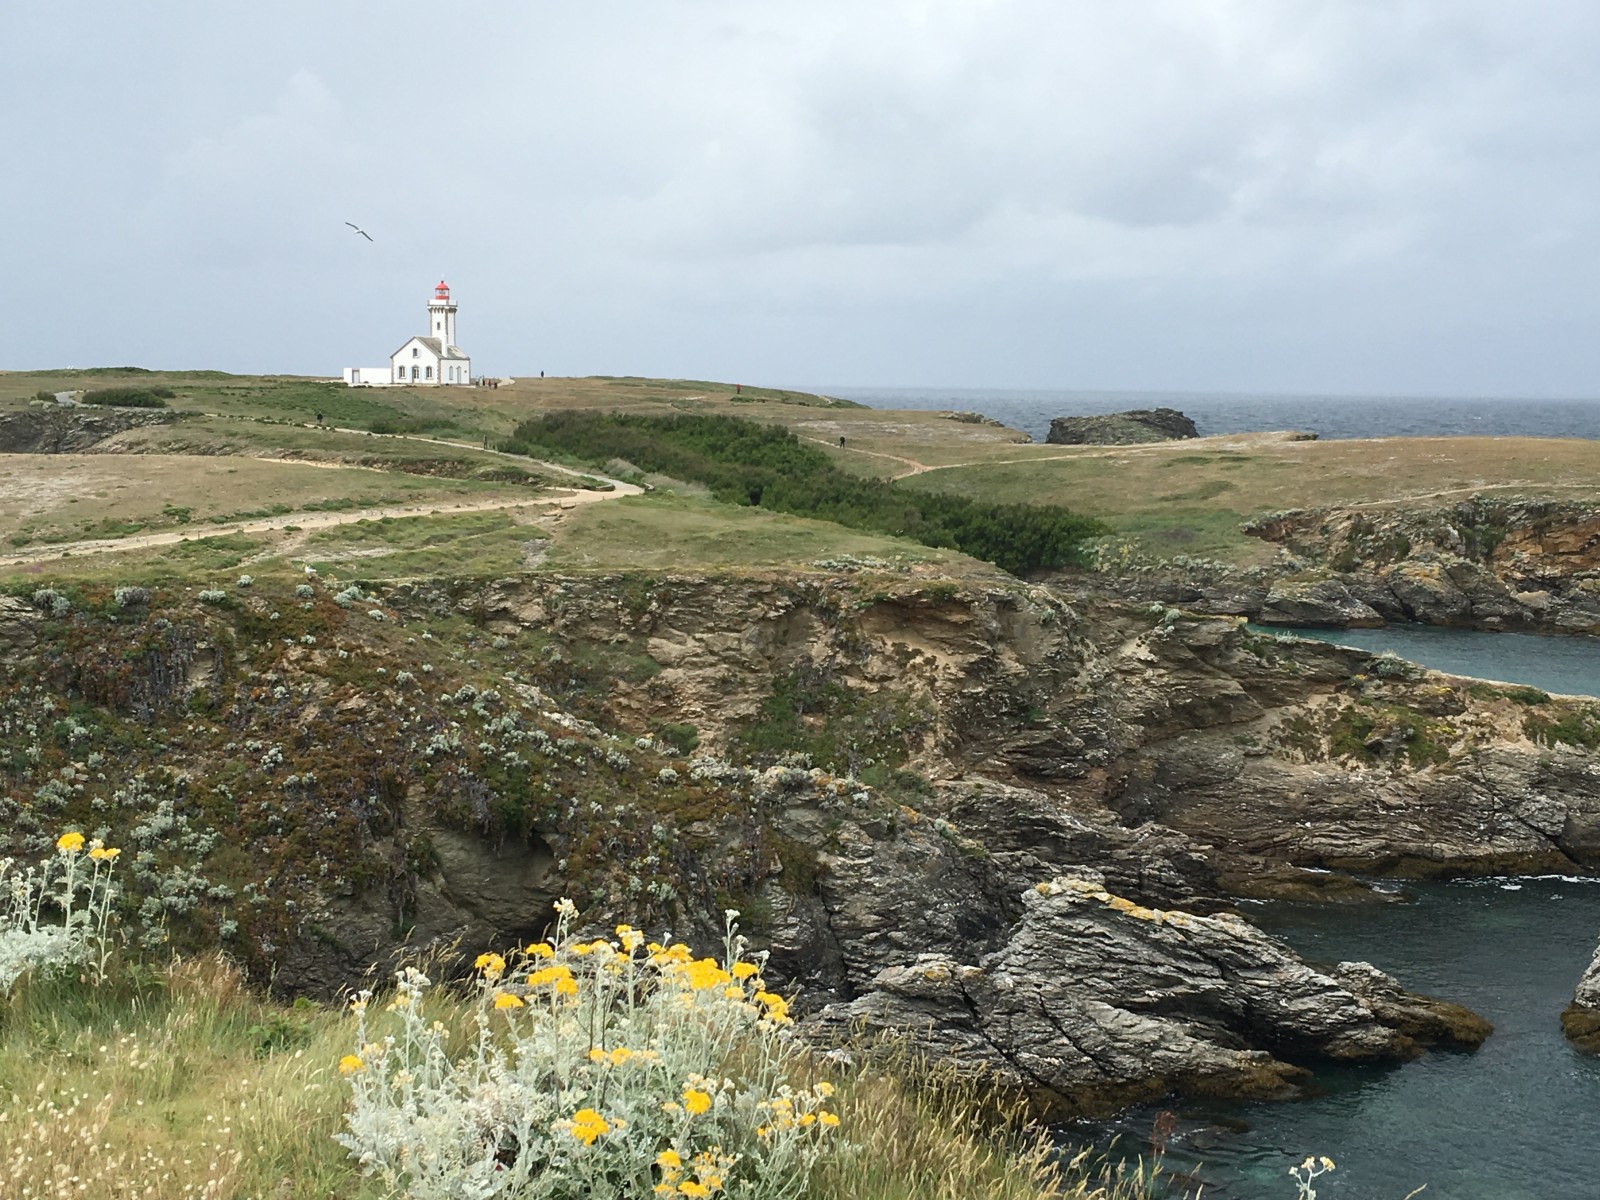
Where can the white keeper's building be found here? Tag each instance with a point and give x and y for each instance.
(426, 361)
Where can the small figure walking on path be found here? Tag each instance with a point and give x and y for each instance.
(319, 418)
(841, 441)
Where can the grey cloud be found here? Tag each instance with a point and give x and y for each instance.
(1312, 194)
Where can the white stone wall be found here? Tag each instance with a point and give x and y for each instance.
(368, 376)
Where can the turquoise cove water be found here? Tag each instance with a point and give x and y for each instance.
(1515, 1121)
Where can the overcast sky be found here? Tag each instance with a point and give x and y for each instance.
(1362, 196)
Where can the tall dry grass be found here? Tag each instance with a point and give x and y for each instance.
(182, 1084)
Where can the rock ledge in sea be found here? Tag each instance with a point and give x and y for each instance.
(1581, 1021)
(1094, 1002)
(1122, 429)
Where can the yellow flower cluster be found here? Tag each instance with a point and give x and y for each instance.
(699, 1177)
(777, 1008)
(69, 843)
(558, 976)
(619, 1055)
(491, 965)
(350, 1064)
(784, 1116)
(587, 1125)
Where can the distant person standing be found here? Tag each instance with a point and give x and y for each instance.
(319, 418)
(841, 441)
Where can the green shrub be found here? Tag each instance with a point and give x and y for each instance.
(769, 467)
(130, 397)
(682, 737)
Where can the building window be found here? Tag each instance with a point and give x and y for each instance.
(413, 370)
(428, 373)
(414, 352)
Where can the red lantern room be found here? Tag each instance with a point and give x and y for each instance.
(442, 292)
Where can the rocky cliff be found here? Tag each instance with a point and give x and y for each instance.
(1483, 562)
(880, 772)
(70, 430)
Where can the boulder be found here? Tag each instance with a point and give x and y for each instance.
(1122, 429)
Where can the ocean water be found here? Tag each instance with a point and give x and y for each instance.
(1327, 416)
(1566, 664)
(1517, 1120)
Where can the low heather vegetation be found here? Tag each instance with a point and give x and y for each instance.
(769, 467)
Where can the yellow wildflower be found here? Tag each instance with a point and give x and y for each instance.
(104, 853)
(1327, 1163)
(620, 1055)
(587, 1125)
(567, 986)
(490, 964)
(808, 1119)
(350, 1064)
(777, 1007)
(696, 1101)
(831, 1120)
(544, 975)
(764, 1131)
(669, 1158)
(541, 950)
(824, 1088)
(705, 973)
(70, 843)
(743, 970)
(672, 1108)
(690, 1188)
(507, 1000)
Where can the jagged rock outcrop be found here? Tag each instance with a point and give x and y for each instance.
(1483, 562)
(1092, 1002)
(70, 430)
(19, 622)
(1581, 1020)
(1316, 602)
(1122, 429)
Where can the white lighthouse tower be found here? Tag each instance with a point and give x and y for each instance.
(426, 361)
(442, 315)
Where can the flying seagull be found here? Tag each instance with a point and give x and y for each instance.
(359, 230)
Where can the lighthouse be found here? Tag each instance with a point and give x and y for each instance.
(426, 361)
(434, 358)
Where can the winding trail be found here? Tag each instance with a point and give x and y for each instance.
(324, 520)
